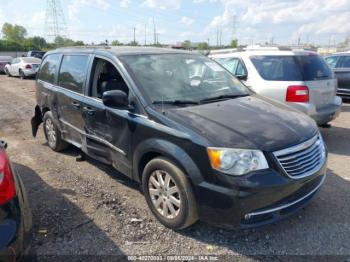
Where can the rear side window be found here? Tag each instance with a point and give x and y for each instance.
(332, 61)
(73, 72)
(314, 67)
(277, 68)
(345, 62)
(48, 68)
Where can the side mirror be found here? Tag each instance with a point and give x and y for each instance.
(242, 77)
(116, 98)
(3, 144)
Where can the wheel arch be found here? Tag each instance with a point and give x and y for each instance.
(152, 148)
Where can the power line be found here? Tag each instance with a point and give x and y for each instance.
(55, 23)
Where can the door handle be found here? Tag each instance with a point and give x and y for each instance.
(76, 105)
(89, 111)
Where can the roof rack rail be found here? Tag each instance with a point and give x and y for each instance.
(267, 48)
(224, 51)
(86, 47)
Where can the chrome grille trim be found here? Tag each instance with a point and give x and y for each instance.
(304, 159)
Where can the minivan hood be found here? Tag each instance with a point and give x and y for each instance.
(247, 122)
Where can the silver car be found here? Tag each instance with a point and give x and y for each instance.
(300, 79)
(23, 67)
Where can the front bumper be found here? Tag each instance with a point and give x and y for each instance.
(344, 92)
(263, 197)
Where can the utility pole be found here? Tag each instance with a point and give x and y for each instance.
(55, 23)
(155, 32)
(217, 37)
(134, 35)
(220, 37)
(234, 25)
(145, 34)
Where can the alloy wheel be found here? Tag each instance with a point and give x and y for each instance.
(164, 194)
(50, 132)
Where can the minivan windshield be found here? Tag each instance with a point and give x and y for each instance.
(292, 68)
(182, 78)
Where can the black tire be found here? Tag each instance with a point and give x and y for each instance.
(187, 214)
(22, 75)
(58, 144)
(7, 73)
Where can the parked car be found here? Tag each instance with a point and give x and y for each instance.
(300, 79)
(23, 67)
(340, 63)
(37, 54)
(15, 215)
(4, 60)
(202, 145)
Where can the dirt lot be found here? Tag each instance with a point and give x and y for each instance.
(88, 208)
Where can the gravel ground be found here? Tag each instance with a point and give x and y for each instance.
(87, 208)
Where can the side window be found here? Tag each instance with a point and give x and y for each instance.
(332, 61)
(73, 72)
(105, 77)
(241, 71)
(49, 68)
(229, 63)
(344, 62)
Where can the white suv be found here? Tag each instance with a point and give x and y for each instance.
(300, 79)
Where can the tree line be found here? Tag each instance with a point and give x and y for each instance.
(15, 39)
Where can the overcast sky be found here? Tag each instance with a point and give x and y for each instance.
(284, 21)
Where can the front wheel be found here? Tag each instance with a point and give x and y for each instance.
(53, 134)
(169, 194)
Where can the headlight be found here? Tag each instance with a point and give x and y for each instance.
(236, 161)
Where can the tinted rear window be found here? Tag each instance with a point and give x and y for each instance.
(291, 68)
(314, 67)
(49, 67)
(73, 72)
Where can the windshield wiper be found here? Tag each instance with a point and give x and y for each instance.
(175, 102)
(221, 97)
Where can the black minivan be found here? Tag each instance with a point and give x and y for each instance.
(202, 144)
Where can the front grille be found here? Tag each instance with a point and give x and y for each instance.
(304, 159)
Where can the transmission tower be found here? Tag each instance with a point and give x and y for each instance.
(55, 23)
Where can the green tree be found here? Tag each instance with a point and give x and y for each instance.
(79, 43)
(203, 46)
(116, 43)
(14, 33)
(39, 41)
(186, 44)
(59, 41)
(234, 43)
(133, 43)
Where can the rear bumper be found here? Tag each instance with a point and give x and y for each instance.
(322, 115)
(267, 198)
(30, 72)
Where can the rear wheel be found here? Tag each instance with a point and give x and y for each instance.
(22, 75)
(169, 194)
(53, 134)
(7, 73)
